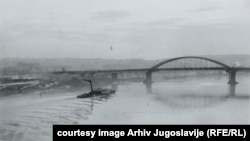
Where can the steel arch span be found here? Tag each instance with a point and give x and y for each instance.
(223, 65)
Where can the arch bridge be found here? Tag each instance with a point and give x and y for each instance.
(193, 63)
(174, 64)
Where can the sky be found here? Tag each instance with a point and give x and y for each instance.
(147, 29)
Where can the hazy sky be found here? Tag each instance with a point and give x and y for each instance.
(149, 29)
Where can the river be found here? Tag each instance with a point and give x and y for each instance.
(190, 101)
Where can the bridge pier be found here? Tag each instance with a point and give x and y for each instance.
(148, 82)
(232, 82)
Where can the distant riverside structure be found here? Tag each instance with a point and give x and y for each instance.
(191, 63)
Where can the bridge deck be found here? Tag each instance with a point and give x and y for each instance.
(146, 69)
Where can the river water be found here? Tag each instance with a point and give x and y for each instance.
(30, 117)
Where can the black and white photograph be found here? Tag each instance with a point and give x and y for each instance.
(122, 62)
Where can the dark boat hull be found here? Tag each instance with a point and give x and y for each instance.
(96, 93)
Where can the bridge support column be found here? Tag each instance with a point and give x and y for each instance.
(148, 82)
(232, 82)
(114, 76)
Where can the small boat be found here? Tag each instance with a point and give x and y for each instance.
(96, 92)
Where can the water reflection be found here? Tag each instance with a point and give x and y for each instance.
(194, 101)
(199, 92)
